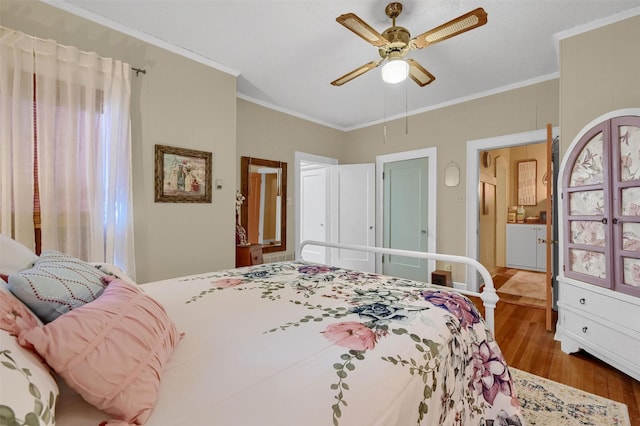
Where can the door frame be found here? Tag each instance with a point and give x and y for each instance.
(474, 148)
(310, 158)
(431, 154)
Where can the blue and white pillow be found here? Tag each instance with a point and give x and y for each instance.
(56, 284)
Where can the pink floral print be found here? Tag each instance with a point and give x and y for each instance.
(491, 374)
(14, 316)
(635, 273)
(629, 150)
(588, 166)
(227, 282)
(588, 233)
(351, 335)
(459, 306)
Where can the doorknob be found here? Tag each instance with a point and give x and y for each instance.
(424, 231)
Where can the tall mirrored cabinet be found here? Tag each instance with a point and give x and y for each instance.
(263, 184)
(599, 281)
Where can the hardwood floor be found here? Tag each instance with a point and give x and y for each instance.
(526, 345)
(502, 276)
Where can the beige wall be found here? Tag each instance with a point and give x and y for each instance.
(599, 73)
(183, 103)
(178, 102)
(271, 135)
(449, 129)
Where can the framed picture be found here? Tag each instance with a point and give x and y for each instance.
(182, 175)
(527, 185)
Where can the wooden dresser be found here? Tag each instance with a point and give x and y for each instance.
(248, 255)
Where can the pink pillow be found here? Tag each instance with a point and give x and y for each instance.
(14, 315)
(112, 351)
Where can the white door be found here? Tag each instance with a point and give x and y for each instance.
(353, 214)
(406, 200)
(313, 212)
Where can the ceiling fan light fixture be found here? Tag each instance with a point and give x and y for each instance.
(395, 71)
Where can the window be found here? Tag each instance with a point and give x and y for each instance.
(73, 186)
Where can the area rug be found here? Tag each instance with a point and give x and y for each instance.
(525, 283)
(548, 403)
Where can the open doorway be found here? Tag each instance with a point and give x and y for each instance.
(335, 203)
(512, 223)
(312, 183)
(334, 207)
(476, 160)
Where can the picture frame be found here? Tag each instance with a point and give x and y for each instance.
(182, 175)
(527, 185)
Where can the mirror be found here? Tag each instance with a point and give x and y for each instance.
(263, 215)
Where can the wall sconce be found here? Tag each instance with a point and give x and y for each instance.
(452, 174)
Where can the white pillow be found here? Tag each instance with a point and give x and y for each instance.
(14, 257)
(28, 392)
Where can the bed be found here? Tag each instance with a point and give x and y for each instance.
(293, 343)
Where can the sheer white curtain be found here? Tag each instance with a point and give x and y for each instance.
(82, 134)
(16, 137)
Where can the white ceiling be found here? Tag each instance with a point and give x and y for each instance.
(287, 52)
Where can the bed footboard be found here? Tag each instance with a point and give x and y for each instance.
(488, 295)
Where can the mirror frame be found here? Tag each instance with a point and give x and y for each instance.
(245, 163)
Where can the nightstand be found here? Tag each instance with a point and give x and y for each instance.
(248, 255)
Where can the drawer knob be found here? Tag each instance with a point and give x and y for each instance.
(584, 329)
(583, 301)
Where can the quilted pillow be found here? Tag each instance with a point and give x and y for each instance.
(14, 257)
(28, 392)
(112, 351)
(57, 283)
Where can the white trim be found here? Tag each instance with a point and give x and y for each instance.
(598, 23)
(311, 158)
(431, 154)
(594, 25)
(474, 147)
(109, 23)
(289, 112)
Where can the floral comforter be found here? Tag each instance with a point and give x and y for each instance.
(303, 344)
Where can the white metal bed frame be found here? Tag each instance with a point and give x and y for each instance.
(488, 295)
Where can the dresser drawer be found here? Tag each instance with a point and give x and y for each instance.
(256, 256)
(612, 308)
(611, 340)
(249, 255)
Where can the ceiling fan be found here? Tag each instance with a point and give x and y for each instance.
(395, 42)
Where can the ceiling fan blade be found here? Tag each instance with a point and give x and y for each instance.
(362, 29)
(459, 25)
(356, 73)
(419, 74)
